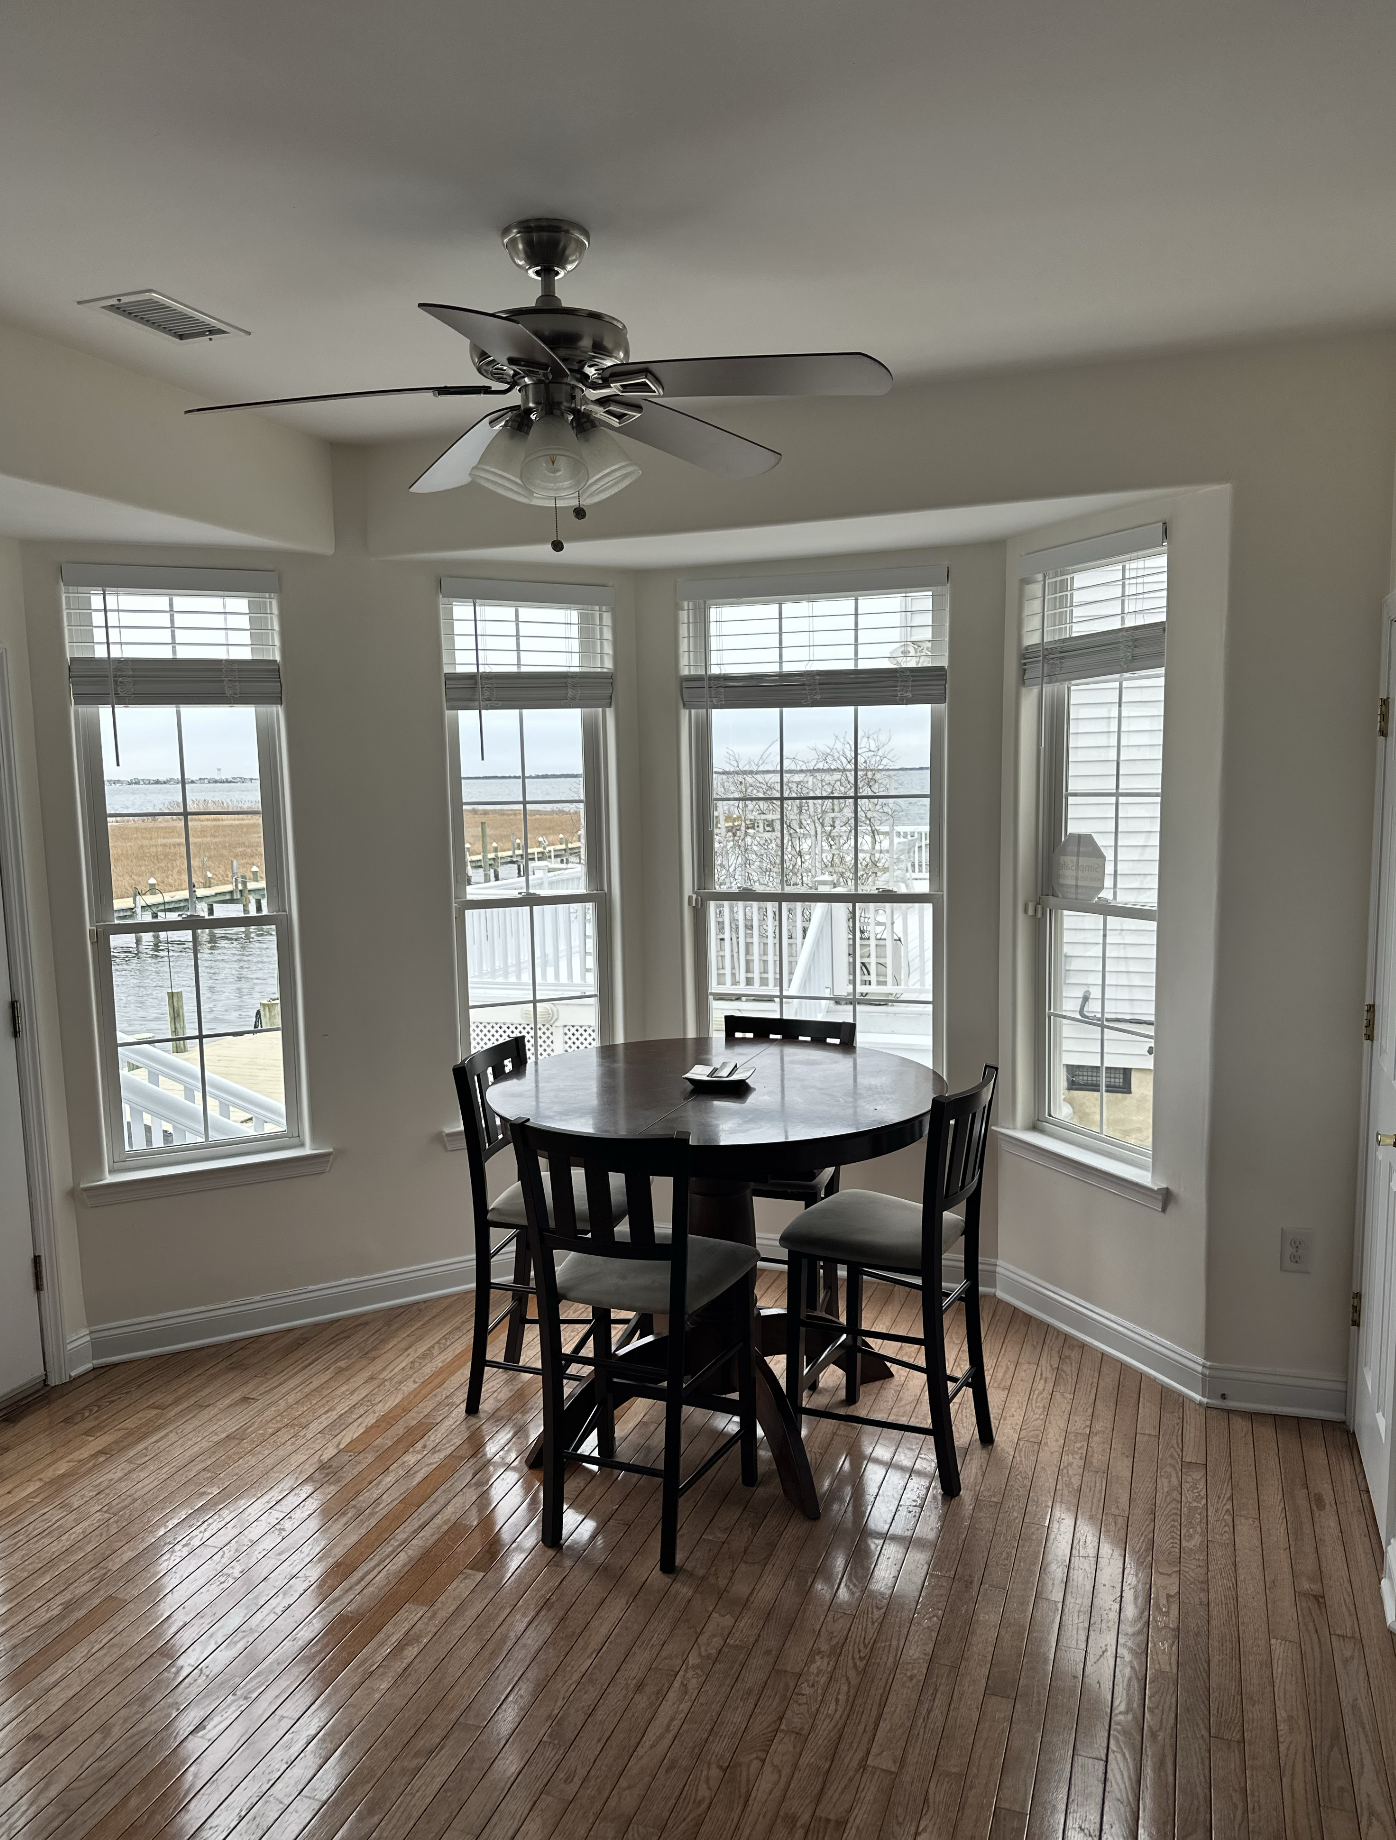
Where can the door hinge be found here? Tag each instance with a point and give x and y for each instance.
(1369, 1023)
(1383, 716)
(38, 1271)
(16, 1018)
(1357, 1309)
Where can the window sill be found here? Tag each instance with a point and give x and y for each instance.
(226, 1172)
(453, 1137)
(1086, 1165)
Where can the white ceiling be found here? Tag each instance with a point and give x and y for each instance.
(893, 530)
(946, 187)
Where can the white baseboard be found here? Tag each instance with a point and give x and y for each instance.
(1238, 1388)
(1209, 1383)
(309, 1303)
(1388, 1587)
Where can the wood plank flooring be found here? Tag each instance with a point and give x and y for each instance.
(283, 1589)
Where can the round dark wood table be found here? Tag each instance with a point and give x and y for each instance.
(809, 1105)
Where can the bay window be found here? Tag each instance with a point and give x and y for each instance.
(528, 686)
(1094, 627)
(816, 712)
(176, 685)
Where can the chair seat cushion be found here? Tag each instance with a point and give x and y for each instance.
(508, 1210)
(861, 1227)
(641, 1286)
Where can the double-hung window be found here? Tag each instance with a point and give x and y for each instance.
(176, 685)
(817, 742)
(528, 687)
(1094, 626)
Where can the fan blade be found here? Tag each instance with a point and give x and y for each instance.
(412, 389)
(453, 467)
(500, 337)
(813, 373)
(701, 443)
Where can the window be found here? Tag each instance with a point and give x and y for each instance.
(817, 729)
(528, 684)
(176, 686)
(1094, 628)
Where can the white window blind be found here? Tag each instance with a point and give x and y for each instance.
(517, 645)
(155, 637)
(816, 641)
(1088, 615)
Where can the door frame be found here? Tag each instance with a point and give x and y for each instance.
(33, 1112)
(1364, 1150)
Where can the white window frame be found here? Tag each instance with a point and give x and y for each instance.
(1050, 825)
(696, 597)
(103, 925)
(597, 752)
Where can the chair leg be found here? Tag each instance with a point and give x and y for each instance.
(483, 1296)
(554, 1469)
(829, 1288)
(673, 1451)
(518, 1310)
(853, 1366)
(605, 1405)
(746, 1381)
(974, 1347)
(794, 1334)
(938, 1389)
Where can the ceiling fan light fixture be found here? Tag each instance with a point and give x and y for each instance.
(553, 466)
(609, 468)
(500, 466)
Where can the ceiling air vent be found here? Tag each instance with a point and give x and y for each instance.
(159, 313)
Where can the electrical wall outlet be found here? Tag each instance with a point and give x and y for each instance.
(1294, 1252)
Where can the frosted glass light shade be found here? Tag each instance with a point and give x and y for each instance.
(499, 466)
(553, 467)
(609, 468)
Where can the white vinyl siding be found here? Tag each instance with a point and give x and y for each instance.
(1093, 650)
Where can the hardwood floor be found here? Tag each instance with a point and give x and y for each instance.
(283, 1587)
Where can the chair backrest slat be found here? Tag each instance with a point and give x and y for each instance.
(564, 1201)
(788, 1028)
(599, 1214)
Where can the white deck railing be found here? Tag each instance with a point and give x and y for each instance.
(160, 1090)
(890, 955)
(501, 958)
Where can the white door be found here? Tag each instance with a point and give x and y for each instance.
(21, 1351)
(1376, 1335)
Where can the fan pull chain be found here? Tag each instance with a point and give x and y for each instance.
(557, 540)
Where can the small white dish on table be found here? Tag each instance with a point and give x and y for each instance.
(720, 1076)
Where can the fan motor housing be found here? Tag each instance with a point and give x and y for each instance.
(579, 336)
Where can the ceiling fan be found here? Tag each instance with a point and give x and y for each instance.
(574, 383)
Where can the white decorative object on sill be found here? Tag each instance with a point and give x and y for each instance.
(1078, 867)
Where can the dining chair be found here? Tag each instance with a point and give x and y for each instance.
(902, 1243)
(807, 1186)
(648, 1271)
(486, 1134)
